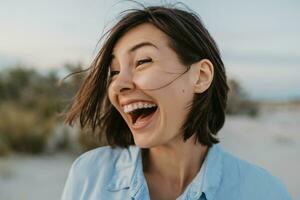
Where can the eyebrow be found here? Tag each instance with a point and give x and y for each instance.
(137, 46)
(142, 44)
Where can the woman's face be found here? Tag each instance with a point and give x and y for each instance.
(145, 61)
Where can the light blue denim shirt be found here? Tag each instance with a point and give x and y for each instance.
(108, 174)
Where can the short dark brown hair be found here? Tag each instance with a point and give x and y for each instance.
(191, 41)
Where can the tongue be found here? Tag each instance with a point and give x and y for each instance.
(144, 118)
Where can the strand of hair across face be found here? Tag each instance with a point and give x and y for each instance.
(188, 68)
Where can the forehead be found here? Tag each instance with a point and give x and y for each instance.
(144, 33)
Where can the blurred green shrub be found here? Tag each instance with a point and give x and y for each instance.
(23, 130)
(4, 147)
(29, 106)
(239, 102)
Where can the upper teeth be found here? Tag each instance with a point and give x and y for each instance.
(137, 105)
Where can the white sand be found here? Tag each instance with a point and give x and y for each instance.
(271, 141)
(24, 177)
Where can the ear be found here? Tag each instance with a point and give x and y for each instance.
(202, 73)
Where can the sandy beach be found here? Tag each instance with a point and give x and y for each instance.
(271, 141)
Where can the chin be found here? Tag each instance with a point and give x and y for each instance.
(142, 143)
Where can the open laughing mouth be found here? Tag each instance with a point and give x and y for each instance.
(140, 116)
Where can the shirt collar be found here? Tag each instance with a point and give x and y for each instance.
(208, 180)
(213, 171)
(125, 166)
(128, 173)
(211, 175)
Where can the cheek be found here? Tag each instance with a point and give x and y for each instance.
(111, 96)
(177, 99)
(154, 78)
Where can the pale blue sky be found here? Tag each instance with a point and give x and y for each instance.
(259, 40)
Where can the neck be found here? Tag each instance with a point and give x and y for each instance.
(177, 163)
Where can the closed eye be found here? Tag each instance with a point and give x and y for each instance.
(140, 62)
(112, 73)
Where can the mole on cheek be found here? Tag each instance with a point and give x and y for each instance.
(182, 90)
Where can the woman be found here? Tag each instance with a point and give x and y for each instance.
(157, 90)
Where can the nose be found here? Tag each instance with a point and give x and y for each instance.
(123, 82)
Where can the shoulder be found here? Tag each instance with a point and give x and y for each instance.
(106, 157)
(251, 179)
(93, 172)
